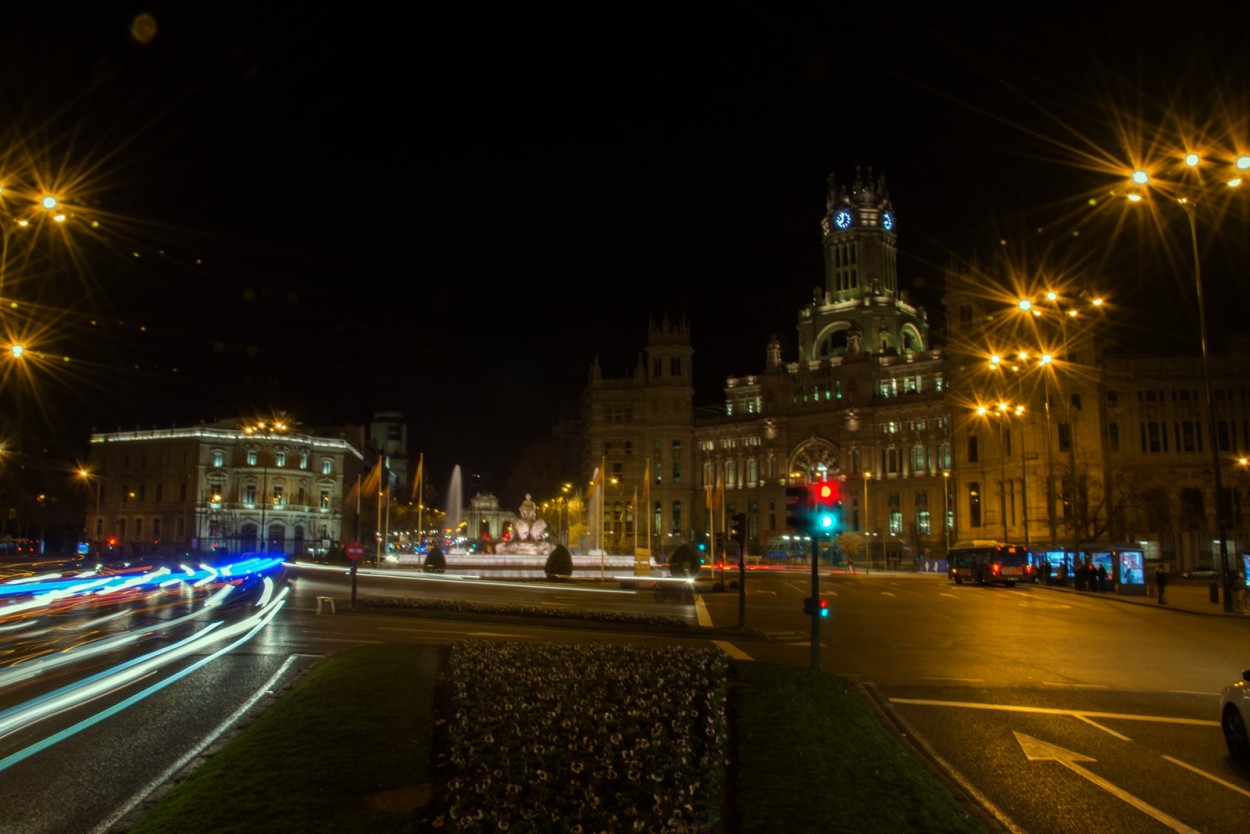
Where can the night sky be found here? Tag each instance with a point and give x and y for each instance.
(452, 213)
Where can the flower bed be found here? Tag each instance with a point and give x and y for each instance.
(580, 738)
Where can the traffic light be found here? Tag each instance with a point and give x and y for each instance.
(821, 607)
(798, 508)
(827, 508)
(738, 528)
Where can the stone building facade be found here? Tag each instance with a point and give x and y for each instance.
(216, 487)
(1023, 426)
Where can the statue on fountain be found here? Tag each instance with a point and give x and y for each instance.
(527, 533)
(530, 527)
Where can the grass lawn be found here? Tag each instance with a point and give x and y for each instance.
(353, 746)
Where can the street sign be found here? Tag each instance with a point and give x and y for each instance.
(355, 550)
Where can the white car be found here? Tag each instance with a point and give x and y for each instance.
(1235, 715)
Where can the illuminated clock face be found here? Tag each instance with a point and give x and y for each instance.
(887, 221)
(842, 219)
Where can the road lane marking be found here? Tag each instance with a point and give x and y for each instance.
(1074, 685)
(1123, 716)
(1036, 750)
(956, 680)
(700, 610)
(267, 688)
(731, 650)
(1106, 730)
(1217, 780)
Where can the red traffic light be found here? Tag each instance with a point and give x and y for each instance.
(825, 492)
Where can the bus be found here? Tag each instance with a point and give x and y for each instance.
(990, 563)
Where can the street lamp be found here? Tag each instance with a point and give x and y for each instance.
(867, 525)
(1052, 306)
(1002, 411)
(1186, 198)
(996, 362)
(86, 475)
(946, 511)
(266, 431)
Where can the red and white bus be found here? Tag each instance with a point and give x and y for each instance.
(990, 563)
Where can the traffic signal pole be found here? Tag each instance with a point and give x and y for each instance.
(815, 605)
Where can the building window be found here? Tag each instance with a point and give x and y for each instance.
(159, 493)
(1113, 436)
(1186, 443)
(278, 496)
(1065, 437)
(657, 517)
(919, 463)
(143, 492)
(280, 459)
(219, 458)
(182, 491)
(251, 457)
(324, 502)
(676, 462)
(676, 528)
(156, 530)
(138, 529)
(895, 522)
(972, 449)
(974, 504)
(249, 495)
(303, 460)
(326, 466)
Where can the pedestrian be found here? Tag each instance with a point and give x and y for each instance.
(1102, 578)
(1161, 582)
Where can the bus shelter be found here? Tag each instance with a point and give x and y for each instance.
(1103, 568)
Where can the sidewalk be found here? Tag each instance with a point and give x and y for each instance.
(1191, 595)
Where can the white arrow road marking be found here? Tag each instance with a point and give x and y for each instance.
(1036, 750)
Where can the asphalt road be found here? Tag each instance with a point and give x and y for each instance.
(1057, 711)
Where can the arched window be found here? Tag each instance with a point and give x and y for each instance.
(974, 504)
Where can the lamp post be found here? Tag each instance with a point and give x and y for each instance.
(87, 476)
(946, 507)
(265, 430)
(1001, 412)
(867, 525)
(1065, 310)
(996, 363)
(1186, 199)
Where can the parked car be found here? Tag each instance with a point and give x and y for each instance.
(1199, 573)
(1234, 715)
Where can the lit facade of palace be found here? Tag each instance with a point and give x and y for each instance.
(217, 486)
(1085, 448)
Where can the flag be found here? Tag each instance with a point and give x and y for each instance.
(719, 498)
(374, 482)
(416, 482)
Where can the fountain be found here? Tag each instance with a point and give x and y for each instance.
(455, 506)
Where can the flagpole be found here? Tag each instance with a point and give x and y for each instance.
(377, 523)
(603, 502)
(420, 497)
(646, 499)
(635, 524)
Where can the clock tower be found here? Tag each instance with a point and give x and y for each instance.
(860, 309)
